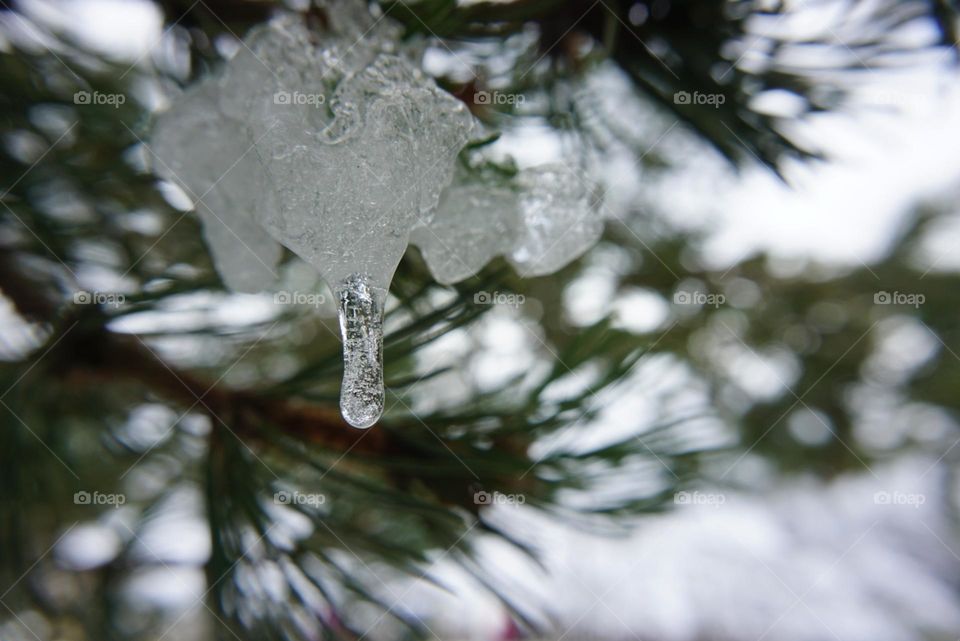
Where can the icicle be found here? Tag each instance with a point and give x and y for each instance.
(343, 186)
(361, 326)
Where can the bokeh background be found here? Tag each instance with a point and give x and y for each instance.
(734, 418)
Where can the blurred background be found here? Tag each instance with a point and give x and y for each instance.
(734, 418)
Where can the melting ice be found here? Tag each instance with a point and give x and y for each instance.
(336, 146)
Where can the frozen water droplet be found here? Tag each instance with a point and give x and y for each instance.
(361, 326)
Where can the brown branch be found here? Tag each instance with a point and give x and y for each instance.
(31, 297)
(86, 354)
(102, 356)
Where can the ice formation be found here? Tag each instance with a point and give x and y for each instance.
(540, 220)
(336, 146)
(193, 144)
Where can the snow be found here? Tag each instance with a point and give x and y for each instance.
(851, 559)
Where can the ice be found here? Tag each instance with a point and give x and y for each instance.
(559, 219)
(475, 220)
(191, 146)
(349, 194)
(540, 220)
(330, 145)
(328, 140)
(361, 326)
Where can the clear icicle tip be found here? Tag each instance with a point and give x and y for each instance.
(361, 327)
